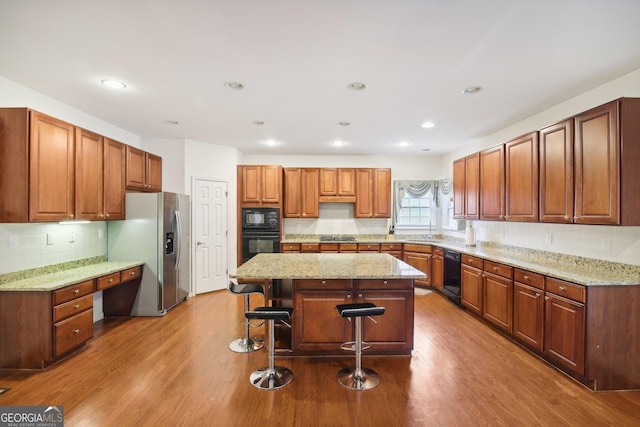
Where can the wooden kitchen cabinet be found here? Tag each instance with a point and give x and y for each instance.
(564, 336)
(301, 193)
(498, 295)
(437, 269)
(419, 257)
(556, 173)
(143, 170)
(290, 247)
(492, 185)
(393, 249)
(338, 185)
(528, 309)
(89, 190)
(521, 178)
(114, 160)
(466, 187)
(260, 185)
(471, 284)
(373, 193)
(606, 164)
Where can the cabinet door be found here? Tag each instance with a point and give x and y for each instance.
(498, 301)
(329, 182)
(564, 341)
(556, 173)
(316, 323)
(394, 329)
(492, 183)
(382, 193)
(51, 169)
(364, 196)
(437, 272)
(528, 316)
(420, 262)
(346, 182)
(114, 179)
(251, 180)
(471, 289)
(597, 166)
(521, 178)
(271, 184)
(136, 169)
(89, 175)
(458, 188)
(292, 193)
(310, 199)
(472, 186)
(153, 172)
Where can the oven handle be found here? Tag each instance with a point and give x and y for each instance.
(263, 235)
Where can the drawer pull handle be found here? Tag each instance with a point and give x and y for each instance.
(76, 331)
(385, 282)
(324, 282)
(561, 288)
(526, 277)
(76, 291)
(76, 306)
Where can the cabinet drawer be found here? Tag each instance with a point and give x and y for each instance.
(291, 247)
(131, 273)
(108, 281)
(368, 247)
(473, 261)
(425, 249)
(72, 307)
(528, 278)
(566, 289)
(321, 284)
(72, 332)
(499, 269)
(364, 284)
(310, 247)
(74, 291)
(438, 251)
(348, 247)
(390, 247)
(328, 247)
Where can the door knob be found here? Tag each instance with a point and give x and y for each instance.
(199, 243)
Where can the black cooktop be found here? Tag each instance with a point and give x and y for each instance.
(339, 238)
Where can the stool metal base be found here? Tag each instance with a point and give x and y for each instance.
(271, 379)
(245, 345)
(366, 379)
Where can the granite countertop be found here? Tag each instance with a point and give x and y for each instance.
(60, 279)
(326, 266)
(583, 271)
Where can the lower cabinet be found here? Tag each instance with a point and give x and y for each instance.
(471, 288)
(498, 295)
(437, 269)
(318, 328)
(419, 257)
(528, 309)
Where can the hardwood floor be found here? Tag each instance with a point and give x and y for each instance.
(178, 371)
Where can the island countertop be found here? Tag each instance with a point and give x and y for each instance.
(326, 266)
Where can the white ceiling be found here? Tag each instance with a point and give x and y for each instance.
(296, 58)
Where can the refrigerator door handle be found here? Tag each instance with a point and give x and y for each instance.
(178, 242)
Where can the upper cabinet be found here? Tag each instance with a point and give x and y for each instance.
(556, 173)
(114, 179)
(338, 185)
(260, 185)
(373, 193)
(143, 170)
(492, 183)
(89, 175)
(521, 178)
(301, 193)
(466, 187)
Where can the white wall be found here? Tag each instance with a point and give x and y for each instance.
(172, 152)
(619, 244)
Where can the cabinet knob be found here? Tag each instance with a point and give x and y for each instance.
(546, 298)
(359, 295)
(561, 288)
(132, 273)
(537, 294)
(76, 306)
(76, 331)
(495, 268)
(385, 282)
(76, 291)
(110, 280)
(348, 295)
(324, 282)
(526, 277)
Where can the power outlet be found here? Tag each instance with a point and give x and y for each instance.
(14, 242)
(548, 238)
(50, 239)
(604, 245)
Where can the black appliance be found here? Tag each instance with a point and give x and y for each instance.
(452, 274)
(260, 231)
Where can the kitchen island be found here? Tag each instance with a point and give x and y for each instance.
(313, 284)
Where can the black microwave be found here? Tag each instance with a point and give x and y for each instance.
(266, 219)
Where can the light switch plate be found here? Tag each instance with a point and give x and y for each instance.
(50, 239)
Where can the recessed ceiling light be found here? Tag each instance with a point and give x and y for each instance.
(403, 144)
(427, 125)
(344, 123)
(172, 122)
(426, 149)
(270, 142)
(234, 85)
(357, 86)
(338, 143)
(258, 122)
(471, 90)
(113, 84)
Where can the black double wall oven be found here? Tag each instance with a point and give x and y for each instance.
(260, 231)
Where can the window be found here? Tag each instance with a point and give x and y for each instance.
(415, 212)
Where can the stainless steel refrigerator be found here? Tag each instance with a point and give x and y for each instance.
(156, 231)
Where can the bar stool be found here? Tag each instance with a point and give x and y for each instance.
(245, 344)
(271, 377)
(358, 378)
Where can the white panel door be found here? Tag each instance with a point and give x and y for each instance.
(210, 235)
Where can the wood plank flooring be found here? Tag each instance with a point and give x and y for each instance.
(178, 371)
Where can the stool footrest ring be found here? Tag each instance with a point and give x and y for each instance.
(351, 345)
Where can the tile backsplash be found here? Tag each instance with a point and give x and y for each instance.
(27, 246)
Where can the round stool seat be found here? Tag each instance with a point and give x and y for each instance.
(246, 344)
(245, 288)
